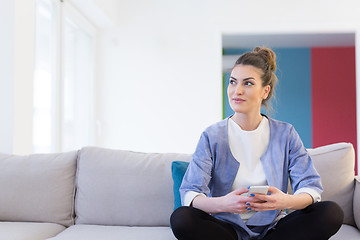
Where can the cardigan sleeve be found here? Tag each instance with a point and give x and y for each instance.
(314, 194)
(198, 174)
(189, 197)
(302, 172)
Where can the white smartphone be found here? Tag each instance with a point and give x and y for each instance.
(258, 189)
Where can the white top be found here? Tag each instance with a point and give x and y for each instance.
(247, 147)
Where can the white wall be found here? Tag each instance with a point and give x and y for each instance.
(24, 42)
(101, 13)
(156, 89)
(6, 73)
(16, 59)
(160, 70)
(110, 8)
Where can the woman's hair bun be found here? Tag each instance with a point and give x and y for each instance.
(268, 55)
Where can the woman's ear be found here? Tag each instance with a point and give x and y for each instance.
(266, 91)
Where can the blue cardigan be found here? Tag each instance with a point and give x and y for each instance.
(213, 169)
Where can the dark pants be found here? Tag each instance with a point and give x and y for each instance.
(318, 221)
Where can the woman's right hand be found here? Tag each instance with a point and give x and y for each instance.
(232, 202)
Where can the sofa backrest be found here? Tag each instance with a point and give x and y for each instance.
(335, 164)
(116, 187)
(38, 188)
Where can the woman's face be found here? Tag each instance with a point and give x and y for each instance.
(245, 90)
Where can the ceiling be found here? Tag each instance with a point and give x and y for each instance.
(288, 40)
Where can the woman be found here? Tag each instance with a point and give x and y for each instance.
(251, 149)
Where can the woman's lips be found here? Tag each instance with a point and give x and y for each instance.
(238, 100)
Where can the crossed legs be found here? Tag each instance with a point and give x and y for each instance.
(318, 221)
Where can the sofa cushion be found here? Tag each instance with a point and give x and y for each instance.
(346, 232)
(335, 164)
(178, 169)
(357, 202)
(116, 187)
(38, 188)
(29, 231)
(96, 232)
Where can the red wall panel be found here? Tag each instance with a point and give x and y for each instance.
(333, 95)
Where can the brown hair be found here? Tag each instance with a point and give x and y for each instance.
(264, 59)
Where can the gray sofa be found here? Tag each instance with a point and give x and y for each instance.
(98, 193)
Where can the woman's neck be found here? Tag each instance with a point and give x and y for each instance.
(247, 122)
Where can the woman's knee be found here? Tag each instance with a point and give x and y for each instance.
(329, 213)
(181, 219)
(334, 213)
(193, 223)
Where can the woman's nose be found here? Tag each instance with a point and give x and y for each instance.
(239, 89)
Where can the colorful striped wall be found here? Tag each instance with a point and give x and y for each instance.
(316, 93)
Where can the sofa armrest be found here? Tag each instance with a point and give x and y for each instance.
(356, 202)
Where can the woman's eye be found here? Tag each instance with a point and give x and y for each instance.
(232, 81)
(247, 83)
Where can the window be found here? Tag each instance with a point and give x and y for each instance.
(44, 124)
(63, 78)
(78, 115)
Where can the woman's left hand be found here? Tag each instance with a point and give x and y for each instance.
(277, 200)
